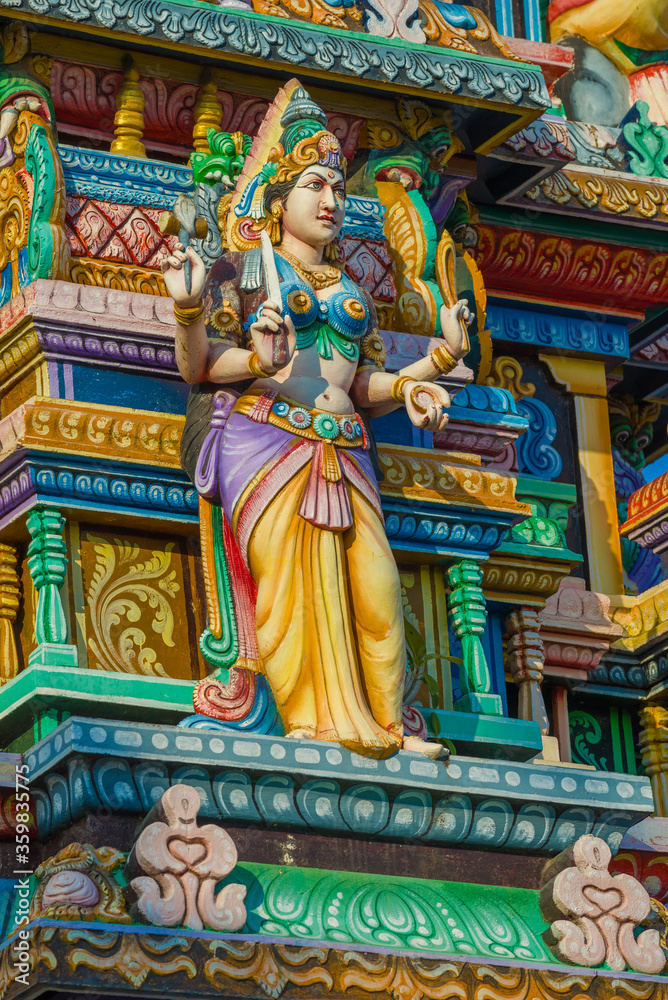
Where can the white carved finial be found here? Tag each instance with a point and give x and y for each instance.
(593, 914)
(183, 863)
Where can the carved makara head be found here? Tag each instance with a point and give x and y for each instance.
(632, 428)
(413, 154)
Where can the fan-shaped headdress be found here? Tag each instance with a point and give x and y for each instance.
(292, 137)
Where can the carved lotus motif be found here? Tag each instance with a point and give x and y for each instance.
(594, 914)
(68, 888)
(183, 863)
(78, 884)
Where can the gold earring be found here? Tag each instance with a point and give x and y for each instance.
(274, 223)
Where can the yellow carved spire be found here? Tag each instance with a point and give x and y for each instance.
(9, 606)
(208, 113)
(129, 117)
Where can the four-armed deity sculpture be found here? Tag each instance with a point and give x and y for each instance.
(316, 587)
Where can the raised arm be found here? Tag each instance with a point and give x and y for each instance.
(190, 341)
(201, 360)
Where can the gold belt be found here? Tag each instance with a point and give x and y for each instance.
(343, 431)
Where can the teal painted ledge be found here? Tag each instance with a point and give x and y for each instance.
(38, 690)
(86, 765)
(293, 45)
(485, 735)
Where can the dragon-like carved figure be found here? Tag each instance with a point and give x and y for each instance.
(427, 224)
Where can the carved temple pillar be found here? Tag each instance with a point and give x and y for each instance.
(47, 562)
(9, 606)
(208, 113)
(586, 381)
(577, 630)
(654, 752)
(468, 615)
(129, 117)
(526, 662)
(526, 655)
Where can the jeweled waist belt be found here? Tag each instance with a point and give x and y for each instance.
(345, 431)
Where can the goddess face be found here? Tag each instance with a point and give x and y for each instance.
(314, 210)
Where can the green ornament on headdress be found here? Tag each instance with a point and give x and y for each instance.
(301, 120)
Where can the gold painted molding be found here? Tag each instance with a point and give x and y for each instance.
(617, 195)
(644, 617)
(113, 432)
(87, 271)
(426, 476)
(118, 433)
(654, 753)
(240, 968)
(577, 375)
(505, 577)
(20, 353)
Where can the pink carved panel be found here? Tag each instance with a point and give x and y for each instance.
(85, 96)
(123, 233)
(368, 262)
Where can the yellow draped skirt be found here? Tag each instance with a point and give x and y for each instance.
(330, 623)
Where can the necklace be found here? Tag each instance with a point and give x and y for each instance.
(317, 279)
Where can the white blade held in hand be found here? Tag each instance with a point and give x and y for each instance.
(271, 283)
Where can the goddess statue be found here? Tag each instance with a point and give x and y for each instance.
(293, 473)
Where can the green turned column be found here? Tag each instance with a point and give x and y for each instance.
(468, 615)
(47, 563)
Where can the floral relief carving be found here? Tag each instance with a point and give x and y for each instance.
(136, 957)
(616, 196)
(124, 589)
(127, 234)
(181, 864)
(110, 433)
(78, 884)
(258, 968)
(593, 914)
(643, 617)
(86, 96)
(408, 474)
(111, 275)
(589, 272)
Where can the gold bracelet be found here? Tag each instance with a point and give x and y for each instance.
(255, 368)
(186, 317)
(415, 392)
(443, 360)
(398, 386)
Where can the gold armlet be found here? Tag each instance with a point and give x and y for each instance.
(255, 368)
(398, 386)
(443, 360)
(186, 317)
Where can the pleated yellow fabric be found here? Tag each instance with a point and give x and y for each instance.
(329, 623)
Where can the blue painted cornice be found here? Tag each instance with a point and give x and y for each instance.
(264, 780)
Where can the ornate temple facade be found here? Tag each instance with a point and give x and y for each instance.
(160, 832)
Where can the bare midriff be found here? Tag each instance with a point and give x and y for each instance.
(315, 382)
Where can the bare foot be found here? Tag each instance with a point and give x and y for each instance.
(300, 734)
(432, 750)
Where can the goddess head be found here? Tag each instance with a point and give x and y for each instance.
(300, 189)
(310, 207)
